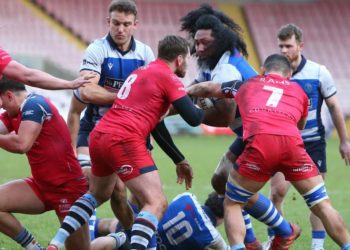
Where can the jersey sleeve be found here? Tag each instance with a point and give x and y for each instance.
(174, 88)
(4, 118)
(5, 59)
(226, 73)
(93, 57)
(36, 109)
(327, 85)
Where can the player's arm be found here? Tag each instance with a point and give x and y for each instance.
(40, 79)
(218, 244)
(183, 169)
(214, 89)
(94, 93)
(192, 115)
(328, 91)
(339, 123)
(23, 141)
(302, 122)
(73, 119)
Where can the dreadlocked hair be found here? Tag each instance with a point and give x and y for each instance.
(205, 17)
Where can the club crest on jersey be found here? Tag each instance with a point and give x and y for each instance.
(125, 170)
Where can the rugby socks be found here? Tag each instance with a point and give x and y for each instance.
(318, 238)
(264, 211)
(249, 235)
(143, 229)
(92, 225)
(78, 215)
(238, 247)
(26, 240)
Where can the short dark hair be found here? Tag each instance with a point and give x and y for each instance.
(277, 62)
(8, 84)
(126, 6)
(215, 204)
(287, 31)
(172, 46)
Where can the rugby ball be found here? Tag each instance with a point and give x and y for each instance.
(205, 102)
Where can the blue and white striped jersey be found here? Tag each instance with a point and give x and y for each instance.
(113, 65)
(231, 67)
(185, 225)
(318, 85)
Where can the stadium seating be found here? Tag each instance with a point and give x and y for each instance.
(326, 34)
(24, 33)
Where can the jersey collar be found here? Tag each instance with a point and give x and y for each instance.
(115, 46)
(301, 65)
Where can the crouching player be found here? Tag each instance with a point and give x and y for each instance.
(57, 180)
(185, 225)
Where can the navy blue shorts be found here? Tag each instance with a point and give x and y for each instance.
(237, 146)
(317, 152)
(84, 131)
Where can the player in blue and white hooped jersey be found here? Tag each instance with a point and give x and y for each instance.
(185, 225)
(112, 58)
(318, 84)
(221, 52)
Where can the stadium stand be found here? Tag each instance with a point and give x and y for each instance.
(24, 32)
(327, 35)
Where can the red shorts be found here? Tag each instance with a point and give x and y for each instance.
(128, 157)
(265, 154)
(61, 198)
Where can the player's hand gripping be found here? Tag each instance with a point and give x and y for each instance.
(184, 172)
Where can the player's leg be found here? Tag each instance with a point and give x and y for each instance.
(279, 189)
(18, 197)
(101, 185)
(238, 191)
(218, 182)
(317, 152)
(315, 195)
(120, 206)
(148, 191)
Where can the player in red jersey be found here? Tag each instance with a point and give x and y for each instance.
(33, 77)
(117, 144)
(272, 110)
(56, 181)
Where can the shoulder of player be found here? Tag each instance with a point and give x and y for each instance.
(34, 99)
(311, 70)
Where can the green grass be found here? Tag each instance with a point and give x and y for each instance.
(203, 152)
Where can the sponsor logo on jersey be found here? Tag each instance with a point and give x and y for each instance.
(125, 170)
(86, 62)
(113, 84)
(303, 169)
(28, 112)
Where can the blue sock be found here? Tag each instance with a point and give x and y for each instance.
(240, 246)
(319, 234)
(249, 235)
(346, 246)
(270, 232)
(264, 211)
